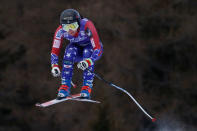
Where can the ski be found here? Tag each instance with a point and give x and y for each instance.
(55, 101)
(75, 97)
(85, 100)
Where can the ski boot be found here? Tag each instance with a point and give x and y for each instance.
(63, 92)
(85, 92)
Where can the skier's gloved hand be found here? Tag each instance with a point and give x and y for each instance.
(85, 64)
(55, 70)
(82, 65)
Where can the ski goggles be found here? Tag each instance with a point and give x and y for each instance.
(72, 26)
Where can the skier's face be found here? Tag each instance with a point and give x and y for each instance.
(72, 32)
(73, 26)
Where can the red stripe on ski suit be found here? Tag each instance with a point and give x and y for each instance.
(56, 51)
(95, 36)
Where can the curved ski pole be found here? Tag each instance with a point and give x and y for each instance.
(111, 84)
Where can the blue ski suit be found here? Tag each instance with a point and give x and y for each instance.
(85, 44)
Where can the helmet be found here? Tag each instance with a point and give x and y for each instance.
(69, 16)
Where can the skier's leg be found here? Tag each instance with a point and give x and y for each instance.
(87, 76)
(67, 70)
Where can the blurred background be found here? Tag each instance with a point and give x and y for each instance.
(150, 49)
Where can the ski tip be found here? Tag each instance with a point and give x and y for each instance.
(154, 119)
(38, 105)
(98, 102)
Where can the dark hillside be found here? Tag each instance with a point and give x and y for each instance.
(150, 49)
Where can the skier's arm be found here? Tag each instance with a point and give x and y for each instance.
(57, 43)
(92, 33)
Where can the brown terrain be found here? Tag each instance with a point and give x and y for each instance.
(150, 49)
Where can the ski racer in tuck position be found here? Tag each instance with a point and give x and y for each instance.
(84, 48)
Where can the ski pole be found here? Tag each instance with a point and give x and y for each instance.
(117, 87)
(74, 85)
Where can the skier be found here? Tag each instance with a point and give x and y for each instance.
(85, 48)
